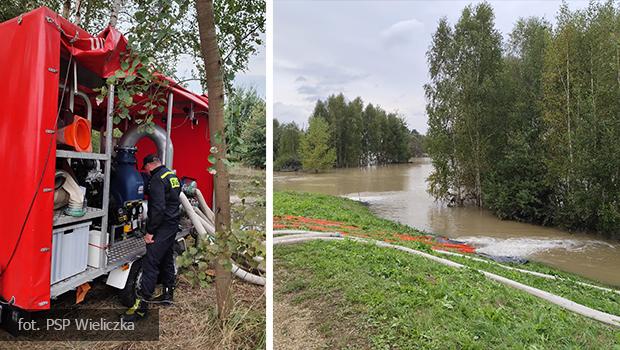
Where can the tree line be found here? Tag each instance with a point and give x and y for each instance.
(530, 127)
(246, 128)
(356, 134)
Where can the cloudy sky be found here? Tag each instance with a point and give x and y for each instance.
(372, 49)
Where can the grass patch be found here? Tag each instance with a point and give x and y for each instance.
(344, 210)
(404, 301)
(319, 278)
(566, 287)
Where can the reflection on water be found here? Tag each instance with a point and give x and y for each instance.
(398, 193)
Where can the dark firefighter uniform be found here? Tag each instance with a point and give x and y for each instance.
(163, 223)
(164, 189)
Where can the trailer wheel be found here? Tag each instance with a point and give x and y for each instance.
(128, 294)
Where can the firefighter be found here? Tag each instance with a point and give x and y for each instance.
(162, 226)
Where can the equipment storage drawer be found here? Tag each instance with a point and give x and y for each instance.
(69, 251)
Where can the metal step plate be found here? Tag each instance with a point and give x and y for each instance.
(125, 251)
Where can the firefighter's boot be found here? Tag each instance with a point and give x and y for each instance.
(136, 312)
(165, 298)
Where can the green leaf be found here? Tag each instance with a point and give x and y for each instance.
(218, 137)
(212, 159)
(139, 15)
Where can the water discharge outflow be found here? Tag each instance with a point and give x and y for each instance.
(398, 193)
(529, 247)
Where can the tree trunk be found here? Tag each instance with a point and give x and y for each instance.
(215, 86)
(570, 142)
(618, 66)
(116, 8)
(66, 9)
(78, 17)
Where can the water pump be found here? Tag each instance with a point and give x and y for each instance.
(127, 194)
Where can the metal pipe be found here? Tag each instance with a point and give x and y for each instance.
(75, 81)
(191, 112)
(167, 158)
(107, 170)
(89, 105)
(158, 136)
(71, 100)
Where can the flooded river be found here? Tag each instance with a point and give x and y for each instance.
(398, 193)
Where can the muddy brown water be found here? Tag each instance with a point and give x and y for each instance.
(398, 193)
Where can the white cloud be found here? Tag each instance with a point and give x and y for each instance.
(292, 113)
(402, 32)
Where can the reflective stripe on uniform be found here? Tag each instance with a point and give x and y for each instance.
(174, 181)
(166, 174)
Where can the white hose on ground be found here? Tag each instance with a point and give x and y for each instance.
(247, 276)
(555, 299)
(538, 274)
(310, 234)
(205, 229)
(204, 207)
(288, 232)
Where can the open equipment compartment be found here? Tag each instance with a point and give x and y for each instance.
(54, 68)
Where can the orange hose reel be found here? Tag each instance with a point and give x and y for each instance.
(76, 135)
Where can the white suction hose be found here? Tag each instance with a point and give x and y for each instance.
(201, 214)
(555, 299)
(207, 224)
(538, 274)
(247, 276)
(204, 207)
(76, 197)
(202, 232)
(206, 229)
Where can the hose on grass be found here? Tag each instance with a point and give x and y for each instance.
(538, 274)
(555, 299)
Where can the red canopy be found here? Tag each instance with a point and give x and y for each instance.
(101, 55)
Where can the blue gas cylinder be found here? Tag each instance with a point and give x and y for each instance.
(126, 183)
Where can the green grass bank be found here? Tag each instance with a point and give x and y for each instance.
(362, 296)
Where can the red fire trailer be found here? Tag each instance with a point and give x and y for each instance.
(48, 66)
